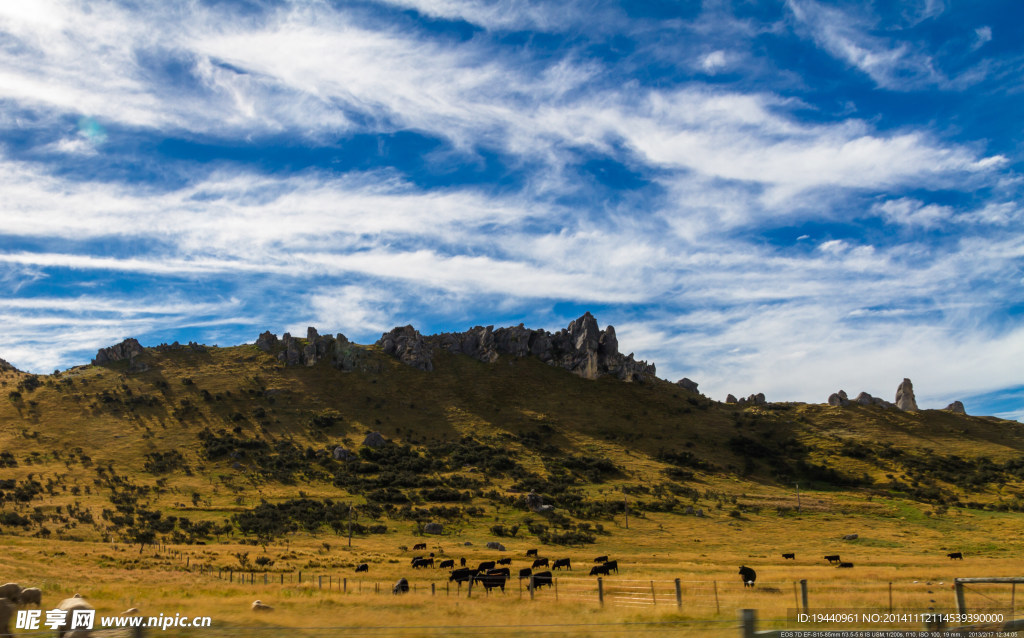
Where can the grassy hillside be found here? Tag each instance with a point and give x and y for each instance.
(227, 455)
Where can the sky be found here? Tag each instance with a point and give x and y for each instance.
(788, 197)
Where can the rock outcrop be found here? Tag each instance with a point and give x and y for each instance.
(866, 399)
(905, 396)
(582, 348)
(374, 440)
(730, 399)
(686, 384)
(753, 399)
(408, 346)
(956, 407)
(839, 399)
(6, 367)
(337, 350)
(126, 350)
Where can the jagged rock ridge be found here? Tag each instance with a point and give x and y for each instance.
(338, 350)
(6, 367)
(582, 348)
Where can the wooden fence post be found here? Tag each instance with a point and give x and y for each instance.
(600, 590)
(718, 609)
(654, 599)
(679, 594)
(961, 606)
(803, 593)
(530, 587)
(344, 585)
(432, 592)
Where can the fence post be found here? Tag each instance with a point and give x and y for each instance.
(654, 599)
(320, 582)
(282, 578)
(469, 590)
(556, 588)
(803, 592)
(231, 576)
(300, 576)
(961, 606)
(679, 595)
(530, 587)
(344, 585)
(600, 590)
(432, 592)
(748, 622)
(718, 609)
(890, 596)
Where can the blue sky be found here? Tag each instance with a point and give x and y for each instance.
(780, 197)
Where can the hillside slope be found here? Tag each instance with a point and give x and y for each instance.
(185, 443)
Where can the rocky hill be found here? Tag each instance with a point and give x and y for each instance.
(443, 425)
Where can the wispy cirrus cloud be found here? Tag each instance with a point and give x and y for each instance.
(689, 176)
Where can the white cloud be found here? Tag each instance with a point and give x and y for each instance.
(892, 65)
(911, 212)
(714, 62)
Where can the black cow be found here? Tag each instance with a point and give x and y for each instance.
(562, 562)
(748, 575)
(463, 575)
(612, 566)
(540, 562)
(789, 556)
(490, 581)
(832, 558)
(414, 559)
(956, 555)
(504, 571)
(484, 566)
(505, 561)
(423, 562)
(401, 587)
(542, 579)
(363, 568)
(462, 562)
(447, 564)
(846, 565)
(419, 546)
(525, 572)
(597, 570)
(531, 552)
(601, 559)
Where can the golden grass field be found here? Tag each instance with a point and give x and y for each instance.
(751, 519)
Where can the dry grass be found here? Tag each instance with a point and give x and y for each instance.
(899, 541)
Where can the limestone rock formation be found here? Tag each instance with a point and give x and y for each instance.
(730, 399)
(433, 528)
(341, 454)
(753, 399)
(336, 350)
(582, 348)
(408, 346)
(126, 350)
(956, 407)
(687, 384)
(866, 399)
(905, 396)
(839, 399)
(374, 439)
